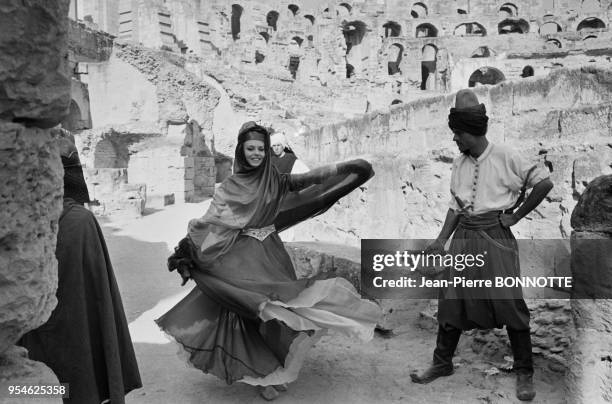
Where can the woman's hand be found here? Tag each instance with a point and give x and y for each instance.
(185, 274)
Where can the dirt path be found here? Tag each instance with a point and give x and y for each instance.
(337, 371)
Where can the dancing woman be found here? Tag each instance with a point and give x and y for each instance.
(250, 319)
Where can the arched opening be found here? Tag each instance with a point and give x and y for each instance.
(426, 31)
(294, 64)
(508, 10)
(486, 75)
(310, 18)
(298, 40)
(470, 29)
(396, 101)
(428, 67)
(271, 19)
(481, 52)
(73, 121)
(394, 59)
(259, 57)
(589, 38)
(590, 23)
(527, 72)
(293, 8)
(344, 10)
(310, 40)
(265, 36)
(549, 28)
(110, 154)
(553, 44)
(353, 33)
(392, 29)
(236, 13)
(350, 70)
(419, 10)
(513, 26)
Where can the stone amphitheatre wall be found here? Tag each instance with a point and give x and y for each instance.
(562, 121)
(384, 43)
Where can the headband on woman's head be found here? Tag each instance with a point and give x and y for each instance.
(254, 135)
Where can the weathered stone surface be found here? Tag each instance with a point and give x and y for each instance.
(34, 72)
(594, 209)
(16, 369)
(31, 187)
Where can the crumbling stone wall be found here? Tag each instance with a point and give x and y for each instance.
(562, 121)
(35, 81)
(145, 103)
(395, 49)
(589, 378)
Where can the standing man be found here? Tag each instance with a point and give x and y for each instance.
(86, 341)
(487, 183)
(283, 157)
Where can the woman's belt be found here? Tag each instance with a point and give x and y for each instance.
(260, 234)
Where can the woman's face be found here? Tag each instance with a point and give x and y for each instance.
(254, 152)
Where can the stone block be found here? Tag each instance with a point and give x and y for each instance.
(17, 369)
(35, 75)
(31, 175)
(168, 199)
(593, 212)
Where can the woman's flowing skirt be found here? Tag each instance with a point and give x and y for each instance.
(251, 320)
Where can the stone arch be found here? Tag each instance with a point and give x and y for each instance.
(513, 26)
(353, 33)
(392, 29)
(589, 38)
(344, 10)
(553, 43)
(486, 75)
(294, 8)
(236, 14)
(426, 30)
(310, 18)
(111, 154)
(74, 120)
(508, 10)
(470, 28)
(419, 10)
(298, 40)
(482, 52)
(395, 53)
(428, 66)
(259, 57)
(265, 36)
(527, 71)
(429, 52)
(590, 23)
(549, 28)
(396, 101)
(272, 19)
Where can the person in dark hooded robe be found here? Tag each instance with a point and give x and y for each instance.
(86, 341)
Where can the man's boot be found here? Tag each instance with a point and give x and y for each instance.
(446, 343)
(520, 341)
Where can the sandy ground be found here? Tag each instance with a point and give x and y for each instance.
(338, 370)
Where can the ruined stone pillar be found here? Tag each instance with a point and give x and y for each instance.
(35, 95)
(589, 377)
